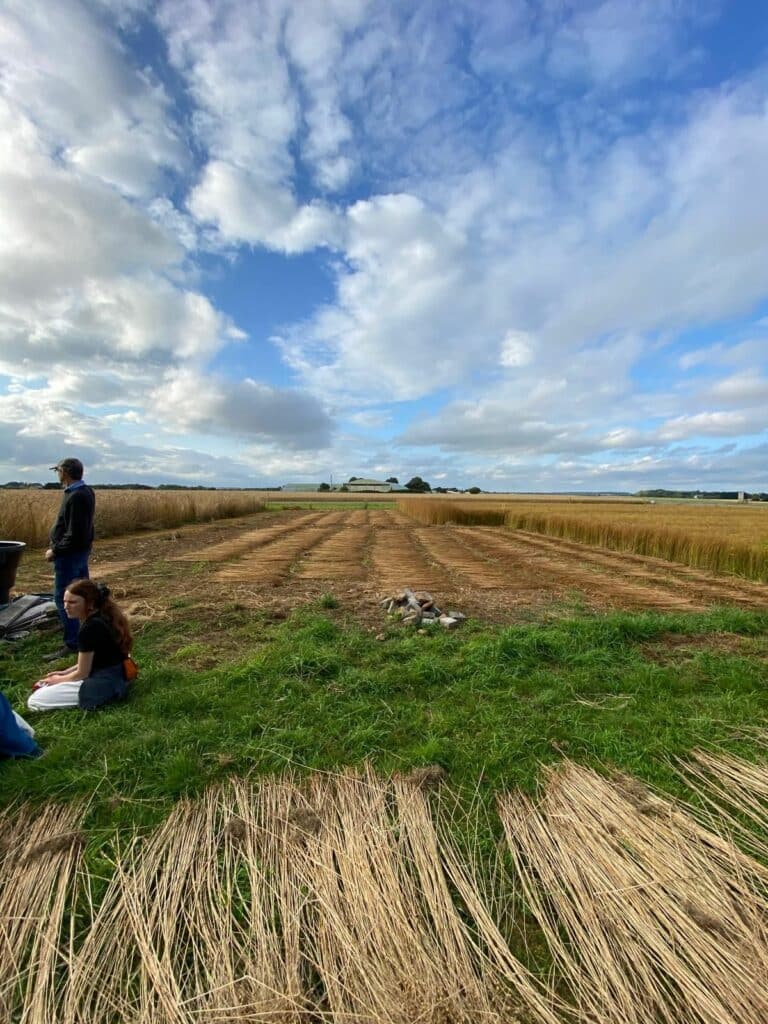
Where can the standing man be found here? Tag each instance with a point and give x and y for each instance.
(71, 540)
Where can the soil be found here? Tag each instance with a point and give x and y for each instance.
(278, 561)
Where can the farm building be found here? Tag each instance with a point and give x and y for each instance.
(368, 485)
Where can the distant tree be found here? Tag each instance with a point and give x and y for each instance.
(343, 489)
(473, 490)
(353, 478)
(440, 490)
(324, 487)
(392, 480)
(417, 484)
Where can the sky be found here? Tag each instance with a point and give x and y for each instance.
(520, 245)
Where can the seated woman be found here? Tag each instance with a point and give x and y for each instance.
(103, 644)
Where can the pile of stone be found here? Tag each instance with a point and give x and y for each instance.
(418, 608)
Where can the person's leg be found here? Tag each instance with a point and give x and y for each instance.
(66, 569)
(54, 696)
(62, 575)
(23, 724)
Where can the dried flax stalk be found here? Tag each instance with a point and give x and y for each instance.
(366, 935)
(263, 827)
(39, 857)
(383, 935)
(736, 793)
(191, 927)
(492, 983)
(649, 916)
(128, 965)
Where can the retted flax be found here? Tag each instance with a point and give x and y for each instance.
(649, 916)
(344, 899)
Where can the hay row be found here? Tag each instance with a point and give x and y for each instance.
(248, 541)
(549, 569)
(332, 902)
(271, 563)
(457, 556)
(346, 899)
(649, 917)
(338, 558)
(397, 560)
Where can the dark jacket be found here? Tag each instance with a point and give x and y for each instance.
(73, 530)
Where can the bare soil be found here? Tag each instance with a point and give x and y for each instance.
(277, 561)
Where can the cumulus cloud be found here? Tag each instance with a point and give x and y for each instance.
(68, 72)
(248, 409)
(37, 428)
(395, 329)
(240, 63)
(253, 209)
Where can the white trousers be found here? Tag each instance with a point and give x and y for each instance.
(55, 695)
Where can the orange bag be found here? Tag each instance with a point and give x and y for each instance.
(130, 669)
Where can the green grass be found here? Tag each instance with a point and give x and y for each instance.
(228, 691)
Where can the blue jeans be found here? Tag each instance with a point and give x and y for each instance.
(65, 569)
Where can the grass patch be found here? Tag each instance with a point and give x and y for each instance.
(488, 704)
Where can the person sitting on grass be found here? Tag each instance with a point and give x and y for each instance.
(104, 642)
(17, 737)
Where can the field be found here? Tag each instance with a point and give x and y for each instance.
(308, 811)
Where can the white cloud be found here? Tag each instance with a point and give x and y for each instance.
(188, 401)
(507, 218)
(516, 349)
(240, 62)
(744, 388)
(250, 209)
(703, 424)
(395, 330)
(67, 71)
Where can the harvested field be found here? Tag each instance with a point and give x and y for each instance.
(346, 898)
(489, 572)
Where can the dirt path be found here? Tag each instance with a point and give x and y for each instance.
(292, 557)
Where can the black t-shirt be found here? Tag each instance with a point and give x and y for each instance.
(97, 636)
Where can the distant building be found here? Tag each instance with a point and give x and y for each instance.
(369, 485)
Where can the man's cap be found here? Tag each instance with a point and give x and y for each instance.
(72, 467)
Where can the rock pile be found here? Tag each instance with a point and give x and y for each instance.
(419, 608)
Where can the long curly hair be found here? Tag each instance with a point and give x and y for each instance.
(97, 599)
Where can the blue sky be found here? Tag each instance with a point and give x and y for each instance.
(522, 245)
